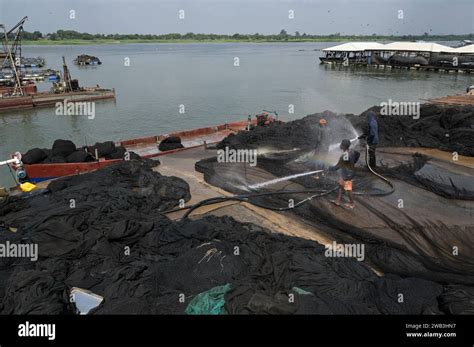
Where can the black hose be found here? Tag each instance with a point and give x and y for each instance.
(327, 192)
(377, 175)
(245, 197)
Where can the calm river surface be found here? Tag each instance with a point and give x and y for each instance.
(203, 78)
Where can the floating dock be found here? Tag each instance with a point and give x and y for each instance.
(422, 56)
(50, 99)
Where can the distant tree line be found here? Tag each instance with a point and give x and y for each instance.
(282, 36)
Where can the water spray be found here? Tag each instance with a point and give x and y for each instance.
(334, 146)
(282, 179)
(318, 193)
(246, 198)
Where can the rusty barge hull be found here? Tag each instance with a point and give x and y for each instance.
(49, 99)
(146, 147)
(463, 99)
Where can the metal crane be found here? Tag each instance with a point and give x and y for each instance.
(12, 52)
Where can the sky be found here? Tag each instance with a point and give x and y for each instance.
(319, 17)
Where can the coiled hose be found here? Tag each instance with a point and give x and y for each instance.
(246, 197)
(392, 188)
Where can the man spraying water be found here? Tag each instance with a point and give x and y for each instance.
(371, 135)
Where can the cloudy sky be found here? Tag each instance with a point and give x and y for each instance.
(244, 16)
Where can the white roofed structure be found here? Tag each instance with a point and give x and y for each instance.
(414, 47)
(403, 55)
(354, 47)
(469, 49)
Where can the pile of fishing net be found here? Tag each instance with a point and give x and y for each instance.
(449, 181)
(423, 230)
(299, 134)
(425, 235)
(170, 143)
(449, 128)
(103, 231)
(65, 151)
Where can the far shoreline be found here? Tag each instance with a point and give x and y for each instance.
(118, 42)
(46, 42)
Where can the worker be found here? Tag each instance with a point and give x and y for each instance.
(372, 137)
(323, 141)
(262, 119)
(346, 168)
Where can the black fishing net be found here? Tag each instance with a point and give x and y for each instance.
(65, 151)
(418, 239)
(424, 230)
(115, 242)
(446, 127)
(449, 181)
(449, 128)
(170, 143)
(303, 134)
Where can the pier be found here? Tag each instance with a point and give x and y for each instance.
(421, 56)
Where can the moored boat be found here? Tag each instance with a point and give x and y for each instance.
(145, 147)
(86, 59)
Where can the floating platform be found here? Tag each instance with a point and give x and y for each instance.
(423, 56)
(423, 68)
(351, 63)
(50, 99)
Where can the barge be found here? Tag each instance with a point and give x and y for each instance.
(145, 147)
(21, 97)
(461, 99)
(17, 88)
(25, 62)
(47, 99)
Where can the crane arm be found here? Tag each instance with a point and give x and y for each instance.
(19, 24)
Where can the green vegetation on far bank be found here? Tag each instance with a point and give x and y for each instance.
(71, 37)
(123, 41)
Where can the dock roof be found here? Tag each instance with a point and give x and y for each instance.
(354, 47)
(399, 46)
(469, 49)
(414, 47)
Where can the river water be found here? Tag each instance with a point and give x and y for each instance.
(203, 78)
